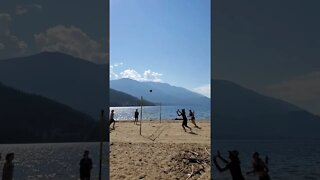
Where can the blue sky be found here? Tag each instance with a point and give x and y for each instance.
(161, 40)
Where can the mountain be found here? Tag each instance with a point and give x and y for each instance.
(28, 118)
(118, 98)
(75, 82)
(161, 92)
(241, 113)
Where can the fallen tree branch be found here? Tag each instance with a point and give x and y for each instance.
(189, 175)
(194, 153)
(205, 148)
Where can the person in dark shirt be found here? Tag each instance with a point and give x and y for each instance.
(7, 173)
(233, 166)
(136, 116)
(259, 167)
(184, 119)
(112, 121)
(85, 166)
(193, 119)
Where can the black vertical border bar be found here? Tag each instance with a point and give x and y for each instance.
(106, 109)
(102, 140)
(212, 83)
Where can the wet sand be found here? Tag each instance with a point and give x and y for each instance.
(163, 151)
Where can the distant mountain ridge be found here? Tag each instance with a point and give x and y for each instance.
(118, 99)
(27, 118)
(161, 92)
(240, 113)
(75, 82)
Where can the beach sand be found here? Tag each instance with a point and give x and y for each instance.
(163, 151)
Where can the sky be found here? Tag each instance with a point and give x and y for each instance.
(161, 40)
(271, 47)
(75, 27)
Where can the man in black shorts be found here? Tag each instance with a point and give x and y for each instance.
(233, 165)
(184, 119)
(112, 119)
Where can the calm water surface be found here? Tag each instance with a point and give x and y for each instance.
(153, 112)
(288, 159)
(58, 161)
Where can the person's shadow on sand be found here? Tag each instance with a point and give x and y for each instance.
(193, 133)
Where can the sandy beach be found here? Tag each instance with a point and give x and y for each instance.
(163, 151)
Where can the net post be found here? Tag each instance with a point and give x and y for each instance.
(141, 114)
(160, 112)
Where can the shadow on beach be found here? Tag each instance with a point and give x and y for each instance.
(193, 133)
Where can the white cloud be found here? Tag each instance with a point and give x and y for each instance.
(306, 87)
(22, 45)
(23, 9)
(147, 75)
(114, 75)
(118, 64)
(38, 6)
(2, 46)
(132, 74)
(72, 41)
(303, 91)
(11, 45)
(20, 10)
(204, 90)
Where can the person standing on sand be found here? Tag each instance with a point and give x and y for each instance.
(184, 119)
(112, 119)
(259, 167)
(85, 166)
(233, 166)
(7, 173)
(136, 116)
(191, 115)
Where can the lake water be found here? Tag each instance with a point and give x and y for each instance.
(153, 112)
(55, 161)
(292, 159)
